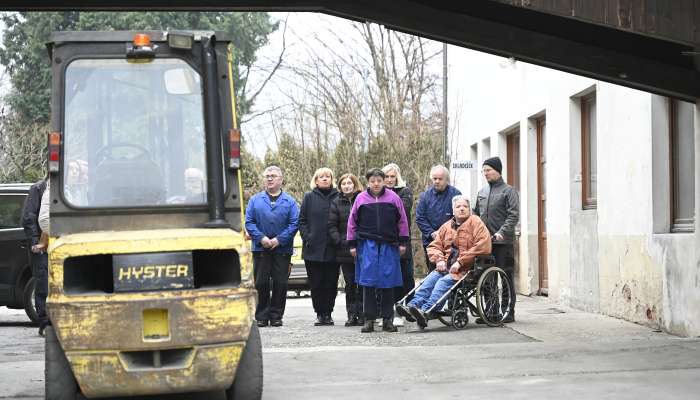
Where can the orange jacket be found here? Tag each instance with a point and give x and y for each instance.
(472, 238)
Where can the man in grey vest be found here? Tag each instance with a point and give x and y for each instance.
(498, 206)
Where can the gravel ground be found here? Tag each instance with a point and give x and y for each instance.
(551, 351)
(299, 331)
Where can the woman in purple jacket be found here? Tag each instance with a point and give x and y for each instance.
(377, 235)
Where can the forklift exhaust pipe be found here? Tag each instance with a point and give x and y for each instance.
(212, 125)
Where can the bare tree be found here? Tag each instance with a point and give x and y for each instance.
(374, 105)
(22, 149)
(361, 101)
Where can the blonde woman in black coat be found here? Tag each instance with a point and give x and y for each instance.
(318, 251)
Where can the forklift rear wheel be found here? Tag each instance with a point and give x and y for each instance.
(59, 379)
(248, 383)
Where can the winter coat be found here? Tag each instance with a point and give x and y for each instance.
(380, 218)
(280, 221)
(30, 212)
(406, 195)
(498, 206)
(434, 209)
(313, 226)
(470, 239)
(338, 227)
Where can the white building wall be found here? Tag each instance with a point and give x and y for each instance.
(616, 259)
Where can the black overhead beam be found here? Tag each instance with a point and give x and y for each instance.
(645, 62)
(625, 58)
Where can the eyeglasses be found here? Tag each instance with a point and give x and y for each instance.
(271, 176)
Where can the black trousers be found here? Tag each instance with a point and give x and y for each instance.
(407, 277)
(505, 260)
(353, 293)
(323, 278)
(40, 272)
(370, 302)
(428, 264)
(271, 273)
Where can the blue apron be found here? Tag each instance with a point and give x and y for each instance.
(378, 264)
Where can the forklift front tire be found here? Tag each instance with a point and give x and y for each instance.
(59, 380)
(248, 383)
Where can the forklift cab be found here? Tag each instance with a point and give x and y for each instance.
(150, 279)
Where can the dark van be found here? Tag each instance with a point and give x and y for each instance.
(16, 282)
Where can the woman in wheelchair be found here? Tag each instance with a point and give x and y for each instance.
(458, 242)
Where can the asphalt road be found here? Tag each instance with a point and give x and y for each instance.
(549, 352)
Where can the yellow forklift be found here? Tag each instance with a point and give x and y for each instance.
(150, 278)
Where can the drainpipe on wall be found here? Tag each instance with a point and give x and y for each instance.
(445, 155)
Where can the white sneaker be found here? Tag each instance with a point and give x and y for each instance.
(378, 322)
(398, 321)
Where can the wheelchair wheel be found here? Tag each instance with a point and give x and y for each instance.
(460, 309)
(493, 296)
(460, 319)
(445, 316)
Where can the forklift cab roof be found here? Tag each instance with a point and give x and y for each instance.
(127, 36)
(58, 38)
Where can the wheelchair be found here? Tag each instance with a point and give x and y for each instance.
(485, 291)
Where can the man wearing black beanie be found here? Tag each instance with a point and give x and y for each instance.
(498, 206)
(495, 163)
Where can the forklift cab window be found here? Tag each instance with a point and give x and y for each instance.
(133, 134)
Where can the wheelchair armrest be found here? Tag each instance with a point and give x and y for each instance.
(485, 259)
(482, 263)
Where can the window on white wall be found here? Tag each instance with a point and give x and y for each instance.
(513, 158)
(486, 148)
(682, 165)
(589, 156)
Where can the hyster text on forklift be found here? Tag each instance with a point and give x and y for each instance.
(150, 280)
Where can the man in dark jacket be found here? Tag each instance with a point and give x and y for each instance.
(271, 219)
(435, 207)
(40, 258)
(498, 206)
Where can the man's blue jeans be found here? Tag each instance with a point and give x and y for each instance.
(433, 287)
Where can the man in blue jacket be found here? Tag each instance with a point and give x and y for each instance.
(435, 207)
(272, 220)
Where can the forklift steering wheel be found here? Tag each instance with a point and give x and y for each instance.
(103, 154)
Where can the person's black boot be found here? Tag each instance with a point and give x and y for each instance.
(276, 322)
(369, 326)
(421, 320)
(262, 323)
(404, 312)
(320, 320)
(352, 320)
(42, 328)
(328, 320)
(388, 325)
